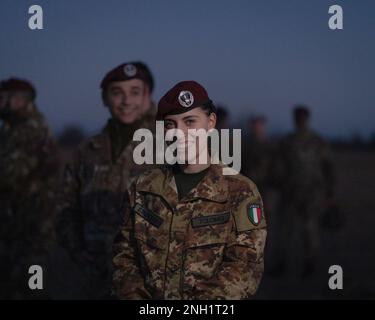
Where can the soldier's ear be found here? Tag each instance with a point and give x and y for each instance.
(212, 118)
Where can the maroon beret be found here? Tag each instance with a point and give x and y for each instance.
(128, 71)
(183, 97)
(14, 84)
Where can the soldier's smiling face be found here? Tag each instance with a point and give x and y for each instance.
(196, 118)
(127, 100)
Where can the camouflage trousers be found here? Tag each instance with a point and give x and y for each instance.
(298, 237)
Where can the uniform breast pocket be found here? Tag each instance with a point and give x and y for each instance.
(206, 241)
(151, 233)
(148, 226)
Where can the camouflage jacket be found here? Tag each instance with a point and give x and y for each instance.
(208, 245)
(92, 195)
(257, 161)
(27, 170)
(306, 165)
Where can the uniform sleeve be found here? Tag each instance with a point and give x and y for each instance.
(128, 281)
(239, 275)
(69, 220)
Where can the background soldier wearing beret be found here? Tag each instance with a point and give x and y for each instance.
(27, 166)
(189, 231)
(94, 183)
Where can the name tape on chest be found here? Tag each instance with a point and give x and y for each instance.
(148, 215)
(210, 220)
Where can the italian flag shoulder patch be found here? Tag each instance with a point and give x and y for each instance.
(254, 213)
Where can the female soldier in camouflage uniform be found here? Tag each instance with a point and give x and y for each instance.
(190, 232)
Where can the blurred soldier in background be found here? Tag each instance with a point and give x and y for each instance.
(27, 170)
(307, 182)
(95, 182)
(257, 155)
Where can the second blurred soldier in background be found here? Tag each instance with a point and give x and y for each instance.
(257, 157)
(27, 179)
(92, 197)
(307, 182)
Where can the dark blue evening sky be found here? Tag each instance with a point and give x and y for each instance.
(254, 56)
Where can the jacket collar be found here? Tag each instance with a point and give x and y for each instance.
(212, 187)
(102, 140)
